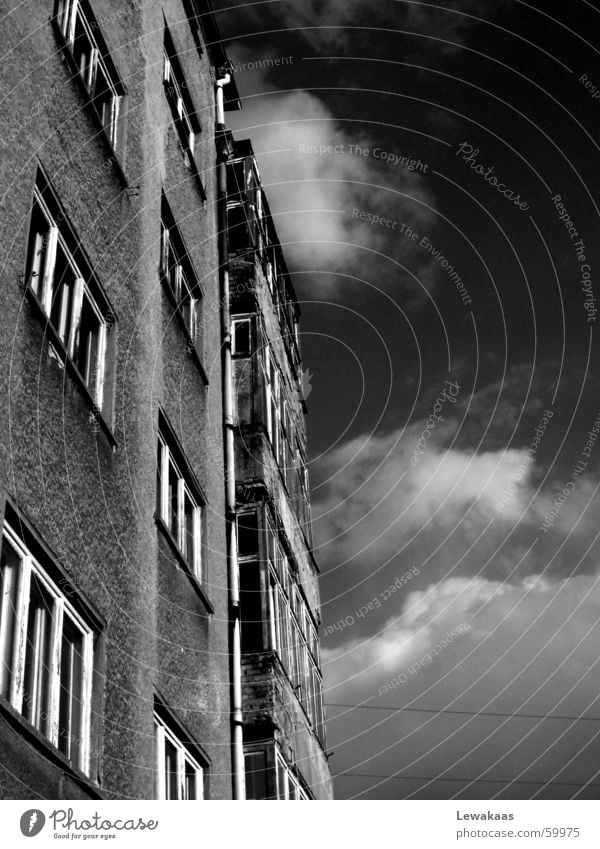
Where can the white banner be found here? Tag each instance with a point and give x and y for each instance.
(351, 825)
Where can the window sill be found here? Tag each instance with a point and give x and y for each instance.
(54, 339)
(37, 740)
(115, 156)
(183, 564)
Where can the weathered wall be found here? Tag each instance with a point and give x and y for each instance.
(94, 506)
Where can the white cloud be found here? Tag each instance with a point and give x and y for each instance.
(315, 197)
(520, 638)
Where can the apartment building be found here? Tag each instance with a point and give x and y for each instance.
(114, 610)
(282, 692)
(159, 601)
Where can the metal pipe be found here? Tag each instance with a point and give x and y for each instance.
(239, 784)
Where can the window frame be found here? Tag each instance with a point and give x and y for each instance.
(164, 731)
(185, 291)
(170, 455)
(66, 607)
(237, 322)
(183, 111)
(290, 780)
(43, 285)
(293, 633)
(66, 14)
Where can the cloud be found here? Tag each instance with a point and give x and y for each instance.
(503, 642)
(333, 23)
(324, 192)
(365, 513)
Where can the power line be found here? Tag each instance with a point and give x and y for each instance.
(468, 712)
(464, 780)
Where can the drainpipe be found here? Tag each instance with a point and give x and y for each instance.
(239, 784)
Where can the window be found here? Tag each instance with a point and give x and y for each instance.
(180, 278)
(179, 773)
(277, 416)
(46, 652)
(242, 337)
(288, 786)
(180, 102)
(93, 62)
(256, 774)
(293, 634)
(68, 293)
(180, 501)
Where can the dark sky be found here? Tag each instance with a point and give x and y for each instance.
(485, 318)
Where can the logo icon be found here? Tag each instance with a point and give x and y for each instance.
(32, 822)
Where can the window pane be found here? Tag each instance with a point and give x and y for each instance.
(159, 505)
(247, 528)
(9, 573)
(241, 338)
(189, 537)
(62, 295)
(256, 775)
(83, 52)
(71, 692)
(36, 264)
(251, 603)
(37, 657)
(103, 100)
(171, 788)
(87, 349)
(191, 783)
(173, 519)
(281, 780)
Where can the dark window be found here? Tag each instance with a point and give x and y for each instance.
(247, 525)
(256, 775)
(242, 337)
(251, 606)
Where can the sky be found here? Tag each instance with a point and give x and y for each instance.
(432, 171)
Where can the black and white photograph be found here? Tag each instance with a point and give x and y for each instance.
(300, 419)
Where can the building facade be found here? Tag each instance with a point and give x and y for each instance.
(118, 609)
(282, 692)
